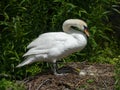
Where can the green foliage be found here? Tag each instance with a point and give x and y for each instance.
(90, 81)
(107, 54)
(117, 71)
(23, 20)
(8, 85)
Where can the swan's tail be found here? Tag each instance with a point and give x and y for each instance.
(26, 62)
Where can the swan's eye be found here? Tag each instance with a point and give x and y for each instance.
(85, 27)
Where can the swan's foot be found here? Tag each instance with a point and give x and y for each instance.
(55, 67)
(60, 74)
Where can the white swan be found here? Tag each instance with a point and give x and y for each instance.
(53, 46)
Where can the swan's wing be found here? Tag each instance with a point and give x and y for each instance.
(51, 43)
(42, 41)
(48, 47)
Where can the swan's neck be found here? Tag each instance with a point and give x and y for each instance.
(67, 25)
(75, 33)
(78, 35)
(66, 28)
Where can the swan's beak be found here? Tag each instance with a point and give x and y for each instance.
(86, 32)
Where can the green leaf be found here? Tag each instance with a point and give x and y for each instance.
(116, 10)
(6, 16)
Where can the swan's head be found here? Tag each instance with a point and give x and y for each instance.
(75, 23)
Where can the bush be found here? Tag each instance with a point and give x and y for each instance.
(22, 21)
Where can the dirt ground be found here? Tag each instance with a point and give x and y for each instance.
(80, 76)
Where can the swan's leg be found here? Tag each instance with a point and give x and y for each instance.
(55, 68)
